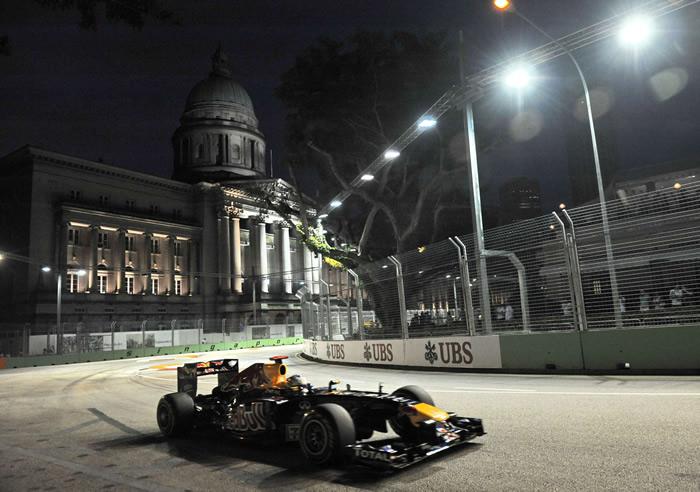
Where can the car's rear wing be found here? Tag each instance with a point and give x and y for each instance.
(225, 369)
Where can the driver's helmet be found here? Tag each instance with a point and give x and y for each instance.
(296, 380)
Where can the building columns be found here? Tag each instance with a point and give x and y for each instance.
(92, 279)
(147, 238)
(173, 260)
(237, 264)
(224, 255)
(262, 253)
(308, 270)
(192, 265)
(286, 259)
(121, 261)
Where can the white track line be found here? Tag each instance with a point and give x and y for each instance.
(573, 393)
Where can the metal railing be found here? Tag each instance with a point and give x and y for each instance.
(543, 274)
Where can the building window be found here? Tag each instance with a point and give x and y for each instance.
(245, 237)
(104, 200)
(129, 285)
(74, 237)
(200, 151)
(75, 195)
(292, 245)
(129, 243)
(270, 241)
(177, 248)
(72, 282)
(102, 240)
(102, 282)
(177, 213)
(130, 204)
(154, 286)
(236, 152)
(155, 246)
(178, 287)
(252, 153)
(154, 209)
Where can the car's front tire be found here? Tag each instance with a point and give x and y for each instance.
(324, 433)
(175, 414)
(401, 424)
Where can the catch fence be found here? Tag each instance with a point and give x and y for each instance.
(550, 273)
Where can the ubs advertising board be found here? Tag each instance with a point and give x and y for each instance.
(482, 352)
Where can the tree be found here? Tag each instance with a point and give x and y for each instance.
(347, 101)
(132, 12)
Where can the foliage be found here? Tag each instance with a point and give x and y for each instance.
(132, 12)
(347, 101)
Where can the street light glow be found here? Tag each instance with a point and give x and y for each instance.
(391, 154)
(427, 123)
(501, 4)
(46, 269)
(636, 30)
(336, 203)
(367, 177)
(517, 78)
(562, 206)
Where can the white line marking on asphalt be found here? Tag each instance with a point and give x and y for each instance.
(574, 393)
(495, 389)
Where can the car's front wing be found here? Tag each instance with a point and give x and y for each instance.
(397, 453)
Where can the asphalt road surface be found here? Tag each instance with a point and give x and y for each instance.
(92, 427)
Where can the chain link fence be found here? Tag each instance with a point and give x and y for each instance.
(550, 273)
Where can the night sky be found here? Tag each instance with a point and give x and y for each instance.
(117, 93)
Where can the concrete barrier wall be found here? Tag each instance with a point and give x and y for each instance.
(434, 352)
(671, 349)
(52, 360)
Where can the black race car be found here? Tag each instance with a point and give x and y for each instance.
(330, 424)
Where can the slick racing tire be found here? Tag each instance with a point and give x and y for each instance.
(401, 424)
(324, 433)
(175, 414)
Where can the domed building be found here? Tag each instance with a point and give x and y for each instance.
(218, 139)
(202, 255)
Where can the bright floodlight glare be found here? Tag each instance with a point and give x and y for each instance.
(367, 177)
(323, 216)
(391, 154)
(46, 269)
(501, 4)
(81, 273)
(2, 256)
(336, 203)
(426, 123)
(636, 30)
(517, 78)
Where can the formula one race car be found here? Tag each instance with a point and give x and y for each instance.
(330, 424)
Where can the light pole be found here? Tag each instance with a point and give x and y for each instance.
(477, 221)
(507, 6)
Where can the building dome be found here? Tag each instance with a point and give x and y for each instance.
(218, 90)
(218, 138)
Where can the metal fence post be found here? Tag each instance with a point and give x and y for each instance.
(569, 272)
(576, 274)
(402, 297)
(358, 302)
(466, 284)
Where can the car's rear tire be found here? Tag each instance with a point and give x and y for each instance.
(401, 424)
(324, 433)
(175, 414)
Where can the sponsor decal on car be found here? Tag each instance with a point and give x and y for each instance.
(250, 419)
(369, 454)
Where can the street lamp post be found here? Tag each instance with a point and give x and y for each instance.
(477, 221)
(507, 6)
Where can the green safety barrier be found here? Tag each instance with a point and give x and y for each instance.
(54, 360)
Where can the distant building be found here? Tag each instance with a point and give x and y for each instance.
(200, 250)
(676, 174)
(519, 200)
